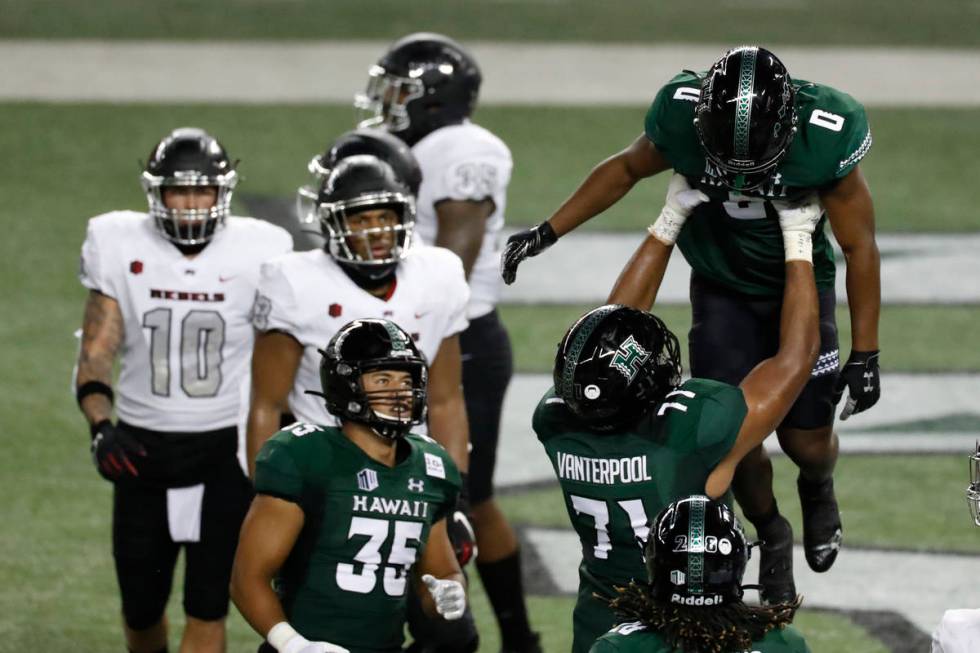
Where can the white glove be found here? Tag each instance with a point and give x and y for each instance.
(798, 220)
(285, 639)
(449, 596)
(681, 200)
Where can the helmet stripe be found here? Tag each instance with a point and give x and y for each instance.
(743, 102)
(695, 545)
(584, 329)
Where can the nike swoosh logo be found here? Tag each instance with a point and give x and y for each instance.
(419, 316)
(224, 279)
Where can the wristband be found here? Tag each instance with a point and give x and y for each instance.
(94, 388)
(798, 246)
(667, 227)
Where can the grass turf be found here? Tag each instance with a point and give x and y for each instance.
(913, 338)
(901, 22)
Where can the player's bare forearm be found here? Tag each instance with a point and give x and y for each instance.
(439, 560)
(639, 282)
(608, 183)
(851, 214)
(448, 424)
(461, 228)
(268, 534)
(275, 359)
(102, 335)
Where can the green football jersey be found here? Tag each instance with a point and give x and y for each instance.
(635, 637)
(615, 483)
(365, 526)
(734, 239)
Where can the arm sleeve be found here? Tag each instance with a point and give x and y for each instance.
(857, 142)
(722, 414)
(276, 470)
(275, 307)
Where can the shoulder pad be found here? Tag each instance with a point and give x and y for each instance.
(669, 123)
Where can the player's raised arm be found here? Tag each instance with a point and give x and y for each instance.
(774, 384)
(606, 184)
(275, 359)
(448, 424)
(640, 280)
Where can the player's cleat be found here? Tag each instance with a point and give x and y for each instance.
(776, 563)
(822, 534)
(532, 645)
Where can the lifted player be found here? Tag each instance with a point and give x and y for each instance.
(748, 136)
(345, 515)
(626, 437)
(695, 557)
(171, 291)
(424, 90)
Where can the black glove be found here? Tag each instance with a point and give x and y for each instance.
(461, 536)
(111, 449)
(524, 244)
(863, 381)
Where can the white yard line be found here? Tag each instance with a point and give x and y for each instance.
(514, 73)
(920, 586)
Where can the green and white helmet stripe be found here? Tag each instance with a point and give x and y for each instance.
(588, 324)
(743, 107)
(695, 545)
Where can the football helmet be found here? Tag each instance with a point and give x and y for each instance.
(614, 364)
(357, 184)
(423, 82)
(745, 119)
(696, 553)
(376, 142)
(369, 345)
(189, 156)
(973, 491)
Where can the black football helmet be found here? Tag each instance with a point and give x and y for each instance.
(189, 156)
(696, 553)
(364, 183)
(973, 490)
(369, 345)
(614, 364)
(423, 82)
(745, 118)
(376, 142)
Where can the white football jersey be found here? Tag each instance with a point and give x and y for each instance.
(466, 162)
(309, 296)
(188, 334)
(958, 632)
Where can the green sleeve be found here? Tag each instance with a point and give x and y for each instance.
(604, 645)
(723, 410)
(277, 471)
(857, 143)
(454, 484)
(669, 123)
(832, 137)
(548, 416)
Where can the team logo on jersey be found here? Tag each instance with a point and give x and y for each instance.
(136, 267)
(335, 310)
(416, 485)
(434, 466)
(367, 480)
(629, 358)
(677, 577)
(261, 308)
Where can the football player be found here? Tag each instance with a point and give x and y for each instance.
(423, 90)
(346, 515)
(626, 437)
(695, 557)
(748, 136)
(973, 490)
(171, 291)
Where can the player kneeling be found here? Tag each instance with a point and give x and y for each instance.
(344, 515)
(696, 556)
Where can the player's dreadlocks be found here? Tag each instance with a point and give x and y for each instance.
(716, 629)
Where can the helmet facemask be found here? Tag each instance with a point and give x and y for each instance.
(352, 246)
(189, 227)
(384, 102)
(392, 412)
(973, 491)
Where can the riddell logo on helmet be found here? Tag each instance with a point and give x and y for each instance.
(696, 600)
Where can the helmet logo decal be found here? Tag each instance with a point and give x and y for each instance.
(695, 547)
(629, 358)
(677, 577)
(743, 109)
(592, 391)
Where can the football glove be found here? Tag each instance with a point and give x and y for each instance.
(111, 450)
(448, 595)
(285, 639)
(862, 378)
(680, 202)
(798, 221)
(524, 244)
(461, 536)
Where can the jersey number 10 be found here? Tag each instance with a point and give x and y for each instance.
(202, 335)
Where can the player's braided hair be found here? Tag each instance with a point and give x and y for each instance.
(716, 629)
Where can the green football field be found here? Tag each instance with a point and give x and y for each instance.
(64, 163)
